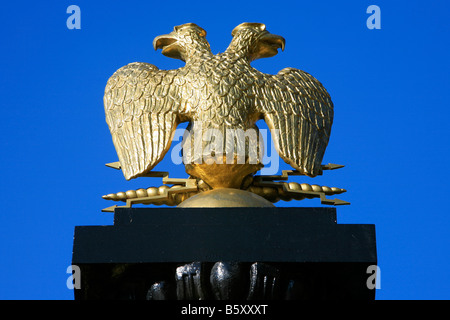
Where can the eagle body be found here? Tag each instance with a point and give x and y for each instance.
(218, 94)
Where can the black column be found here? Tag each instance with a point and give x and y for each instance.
(225, 253)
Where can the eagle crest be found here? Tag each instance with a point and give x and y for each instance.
(144, 105)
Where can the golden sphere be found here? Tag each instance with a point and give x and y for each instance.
(141, 193)
(326, 189)
(162, 189)
(294, 186)
(152, 191)
(306, 187)
(225, 197)
(131, 194)
(121, 196)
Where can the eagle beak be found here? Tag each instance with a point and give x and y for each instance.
(169, 45)
(274, 41)
(163, 41)
(267, 46)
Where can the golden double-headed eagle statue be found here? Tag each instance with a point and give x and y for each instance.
(222, 92)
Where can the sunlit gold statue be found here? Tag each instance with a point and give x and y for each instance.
(219, 93)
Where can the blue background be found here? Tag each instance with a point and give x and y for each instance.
(390, 89)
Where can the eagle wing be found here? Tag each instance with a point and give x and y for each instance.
(300, 109)
(142, 112)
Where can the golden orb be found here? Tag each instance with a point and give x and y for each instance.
(225, 197)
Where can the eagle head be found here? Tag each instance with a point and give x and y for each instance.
(183, 42)
(253, 39)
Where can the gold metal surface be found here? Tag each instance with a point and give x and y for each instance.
(276, 190)
(180, 191)
(144, 105)
(176, 191)
(225, 197)
(222, 175)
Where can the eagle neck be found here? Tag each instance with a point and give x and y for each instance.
(239, 48)
(240, 54)
(198, 55)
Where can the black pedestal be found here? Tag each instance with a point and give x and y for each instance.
(225, 253)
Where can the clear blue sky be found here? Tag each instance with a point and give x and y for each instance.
(390, 88)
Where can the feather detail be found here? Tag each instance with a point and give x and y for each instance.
(141, 115)
(304, 118)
